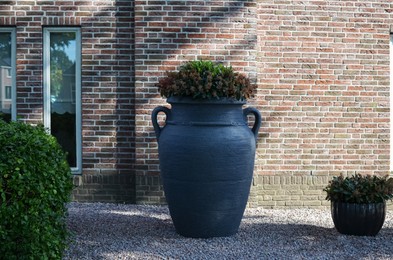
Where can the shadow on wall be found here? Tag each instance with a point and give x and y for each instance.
(167, 35)
(108, 91)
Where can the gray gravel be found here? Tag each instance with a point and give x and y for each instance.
(112, 231)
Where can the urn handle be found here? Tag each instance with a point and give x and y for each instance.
(257, 121)
(157, 128)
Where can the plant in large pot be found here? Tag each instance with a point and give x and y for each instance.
(358, 203)
(206, 148)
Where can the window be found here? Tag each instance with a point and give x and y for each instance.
(7, 72)
(62, 90)
(8, 92)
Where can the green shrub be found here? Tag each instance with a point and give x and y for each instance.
(35, 184)
(206, 80)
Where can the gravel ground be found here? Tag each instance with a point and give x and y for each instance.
(112, 231)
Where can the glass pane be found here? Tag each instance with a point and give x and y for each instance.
(5, 76)
(62, 91)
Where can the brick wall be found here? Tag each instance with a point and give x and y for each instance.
(107, 85)
(324, 79)
(322, 69)
(323, 73)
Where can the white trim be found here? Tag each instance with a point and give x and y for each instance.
(78, 102)
(13, 70)
(391, 102)
(46, 78)
(46, 88)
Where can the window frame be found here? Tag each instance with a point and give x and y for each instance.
(391, 101)
(46, 87)
(12, 30)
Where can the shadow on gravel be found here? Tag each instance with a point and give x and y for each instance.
(107, 231)
(306, 241)
(118, 222)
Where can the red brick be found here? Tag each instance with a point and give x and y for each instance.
(322, 73)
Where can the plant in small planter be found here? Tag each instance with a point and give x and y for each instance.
(206, 148)
(358, 203)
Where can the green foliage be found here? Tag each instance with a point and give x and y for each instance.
(360, 189)
(35, 184)
(5, 117)
(206, 80)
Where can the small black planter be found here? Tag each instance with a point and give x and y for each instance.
(206, 152)
(358, 219)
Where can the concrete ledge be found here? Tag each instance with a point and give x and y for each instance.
(113, 188)
(149, 190)
(288, 191)
(273, 192)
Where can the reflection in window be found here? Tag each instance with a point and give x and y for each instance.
(8, 92)
(62, 88)
(7, 65)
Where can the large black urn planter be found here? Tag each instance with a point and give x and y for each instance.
(206, 152)
(358, 219)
